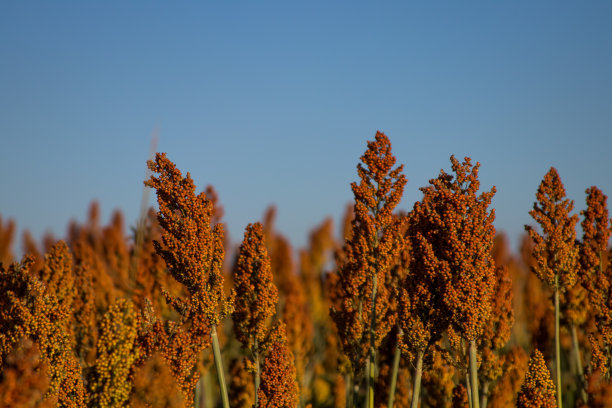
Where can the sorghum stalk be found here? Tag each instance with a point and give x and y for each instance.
(395, 369)
(557, 344)
(257, 371)
(256, 297)
(468, 388)
(418, 373)
(484, 399)
(361, 294)
(372, 358)
(474, 374)
(349, 390)
(576, 347)
(555, 251)
(219, 367)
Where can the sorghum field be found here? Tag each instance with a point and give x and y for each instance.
(389, 309)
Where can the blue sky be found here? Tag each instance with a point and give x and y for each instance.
(273, 102)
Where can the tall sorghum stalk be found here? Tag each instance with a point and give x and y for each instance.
(363, 316)
(255, 298)
(194, 252)
(555, 250)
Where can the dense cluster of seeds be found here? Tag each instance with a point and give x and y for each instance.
(424, 308)
(538, 390)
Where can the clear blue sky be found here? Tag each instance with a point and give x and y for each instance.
(272, 102)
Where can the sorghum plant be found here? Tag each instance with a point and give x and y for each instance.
(255, 297)
(555, 250)
(29, 309)
(362, 316)
(194, 255)
(451, 278)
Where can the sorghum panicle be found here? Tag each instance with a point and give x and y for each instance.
(255, 293)
(117, 354)
(538, 390)
(193, 251)
(555, 250)
(278, 388)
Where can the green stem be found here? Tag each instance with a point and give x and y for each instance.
(469, 389)
(484, 399)
(356, 392)
(474, 374)
(208, 399)
(557, 344)
(219, 366)
(257, 367)
(418, 372)
(396, 361)
(349, 391)
(579, 368)
(372, 359)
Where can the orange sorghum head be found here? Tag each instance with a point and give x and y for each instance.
(451, 233)
(538, 390)
(255, 293)
(555, 250)
(57, 275)
(278, 387)
(31, 308)
(596, 229)
(117, 354)
(192, 249)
